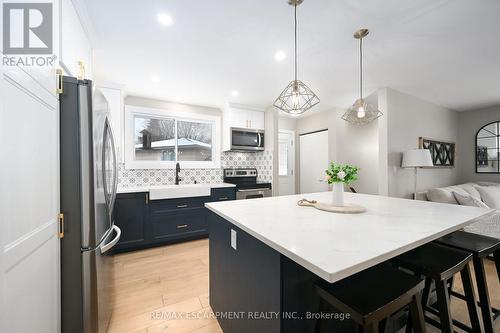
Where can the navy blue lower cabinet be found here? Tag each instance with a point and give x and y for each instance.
(245, 283)
(131, 215)
(179, 224)
(254, 288)
(146, 223)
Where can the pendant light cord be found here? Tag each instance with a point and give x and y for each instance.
(295, 41)
(361, 68)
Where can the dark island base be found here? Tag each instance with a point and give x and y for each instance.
(256, 289)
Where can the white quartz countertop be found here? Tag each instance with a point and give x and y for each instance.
(148, 188)
(335, 246)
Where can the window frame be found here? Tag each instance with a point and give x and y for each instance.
(497, 137)
(132, 111)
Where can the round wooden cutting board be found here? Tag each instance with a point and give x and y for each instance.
(348, 208)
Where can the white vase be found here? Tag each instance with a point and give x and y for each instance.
(338, 194)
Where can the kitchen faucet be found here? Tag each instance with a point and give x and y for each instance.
(177, 170)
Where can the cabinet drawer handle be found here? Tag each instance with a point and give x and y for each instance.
(223, 198)
(182, 226)
(182, 206)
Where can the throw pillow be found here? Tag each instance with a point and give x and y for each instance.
(469, 200)
(441, 195)
(490, 195)
(470, 188)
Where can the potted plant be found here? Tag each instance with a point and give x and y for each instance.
(338, 175)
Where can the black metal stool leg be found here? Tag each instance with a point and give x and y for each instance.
(444, 307)
(484, 298)
(416, 321)
(471, 298)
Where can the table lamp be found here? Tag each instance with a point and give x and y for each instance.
(417, 158)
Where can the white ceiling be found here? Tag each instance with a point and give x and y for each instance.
(443, 51)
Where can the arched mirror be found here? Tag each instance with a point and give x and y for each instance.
(488, 148)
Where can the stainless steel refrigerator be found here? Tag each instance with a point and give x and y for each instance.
(89, 173)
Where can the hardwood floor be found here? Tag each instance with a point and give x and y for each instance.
(153, 284)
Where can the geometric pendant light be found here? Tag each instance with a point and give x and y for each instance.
(297, 98)
(361, 113)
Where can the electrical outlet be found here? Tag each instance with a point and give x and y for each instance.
(234, 239)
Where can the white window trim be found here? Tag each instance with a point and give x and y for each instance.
(132, 111)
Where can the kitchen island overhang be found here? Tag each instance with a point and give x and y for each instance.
(266, 254)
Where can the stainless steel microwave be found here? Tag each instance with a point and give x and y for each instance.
(247, 139)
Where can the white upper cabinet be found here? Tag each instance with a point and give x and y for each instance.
(235, 115)
(256, 119)
(75, 46)
(243, 117)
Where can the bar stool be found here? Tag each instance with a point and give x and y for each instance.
(372, 296)
(439, 263)
(481, 248)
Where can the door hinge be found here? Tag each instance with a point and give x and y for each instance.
(60, 218)
(59, 75)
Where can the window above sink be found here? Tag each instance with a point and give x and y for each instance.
(157, 139)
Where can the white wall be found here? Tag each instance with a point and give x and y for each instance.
(271, 143)
(377, 148)
(316, 121)
(409, 118)
(349, 144)
(469, 123)
(287, 123)
(321, 121)
(359, 145)
(165, 105)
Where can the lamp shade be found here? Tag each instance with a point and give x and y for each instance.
(417, 158)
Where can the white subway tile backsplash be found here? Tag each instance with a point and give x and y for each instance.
(262, 161)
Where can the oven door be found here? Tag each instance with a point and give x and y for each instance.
(247, 139)
(253, 193)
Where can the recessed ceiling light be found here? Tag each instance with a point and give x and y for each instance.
(235, 93)
(280, 56)
(155, 78)
(165, 19)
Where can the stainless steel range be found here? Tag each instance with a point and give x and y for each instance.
(246, 183)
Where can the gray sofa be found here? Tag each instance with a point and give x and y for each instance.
(489, 226)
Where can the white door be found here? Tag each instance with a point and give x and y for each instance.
(286, 163)
(313, 162)
(29, 203)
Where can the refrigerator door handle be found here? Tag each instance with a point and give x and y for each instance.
(110, 197)
(107, 246)
(115, 173)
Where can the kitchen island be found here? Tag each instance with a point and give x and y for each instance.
(266, 254)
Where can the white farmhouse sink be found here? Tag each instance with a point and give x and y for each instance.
(179, 191)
